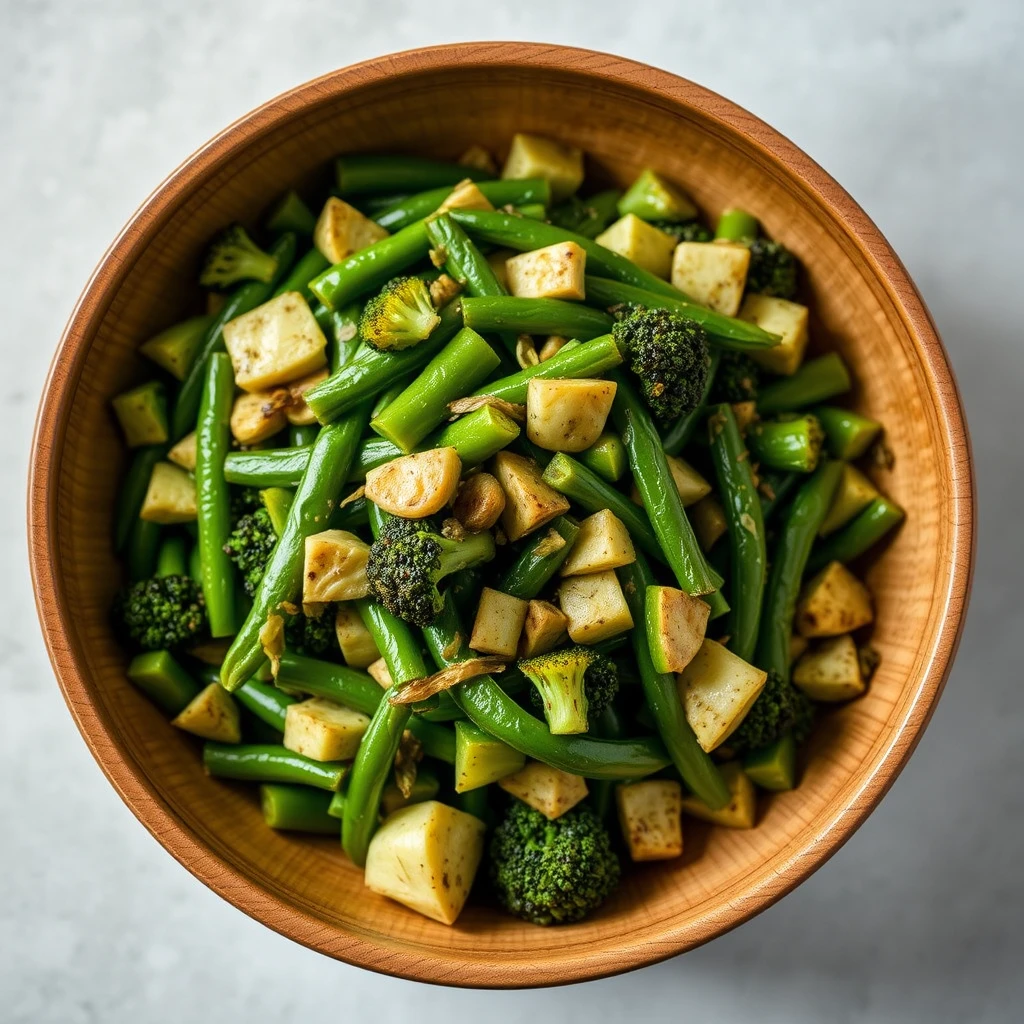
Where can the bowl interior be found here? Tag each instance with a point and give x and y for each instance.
(625, 117)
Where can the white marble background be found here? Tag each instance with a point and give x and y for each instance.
(916, 108)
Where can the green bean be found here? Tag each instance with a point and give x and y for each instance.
(587, 217)
(792, 444)
(847, 434)
(213, 438)
(662, 695)
(390, 393)
(679, 435)
(172, 558)
(302, 435)
(516, 191)
(737, 226)
(372, 267)
(269, 762)
(267, 703)
(309, 266)
(297, 809)
(609, 726)
(360, 174)
(342, 329)
(141, 551)
(315, 500)
(247, 296)
(799, 529)
(535, 316)
(818, 379)
(749, 556)
(862, 533)
(162, 679)
(527, 576)
(133, 492)
(290, 213)
(274, 467)
(338, 683)
(775, 489)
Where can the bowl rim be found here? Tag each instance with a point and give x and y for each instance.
(127, 776)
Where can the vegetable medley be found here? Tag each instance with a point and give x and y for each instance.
(485, 523)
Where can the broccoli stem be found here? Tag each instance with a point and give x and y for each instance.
(528, 575)
(847, 434)
(465, 362)
(172, 559)
(464, 554)
(815, 381)
(862, 533)
(737, 226)
(311, 264)
(679, 435)
(290, 213)
(787, 444)
(360, 174)
(267, 762)
(535, 316)
(516, 191)
(297, 809)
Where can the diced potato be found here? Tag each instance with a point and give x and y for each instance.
(830, 671)
(602, 543)
(595, 607)
(498, 623)
(425, 857)
(854, 493)
(529, 501)
(466, 196)
(479, 503)
(551, 347)
(782, 317)
(481, 759)
(676, 623)
(797, 645)
(497, 260)
(299, 414)
(418, 485)
(707, 517)
(531, 156)
(257, 415)
(692, 487)
(545, 789)
(739, 812)
(184, 452)
(358, 647)
(480, 158)
(554, 272)
(213, 715)
(342, 230)
(275, 343)
(717, 690)
(567, 415)
(323, 730)
(833, 602)
(642, 243)
(170, 497)
(334, 567)
(543, 629)
(713, 274)
(650, 814)
(379, 672)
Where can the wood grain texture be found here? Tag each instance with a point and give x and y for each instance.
(626, 116)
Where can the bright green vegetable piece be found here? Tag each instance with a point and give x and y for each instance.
(290, 213)
(162, 679)
(142, 413)
(859, 535)
(291, 808)
(773, 767)
(606, 457)
(651, 197)
(174, 348)
(233, 257)
(815, 381)
(481, 759)
(789, 443)
(277, 501)
(848, 435)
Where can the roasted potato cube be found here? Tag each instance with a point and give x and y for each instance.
(567, 415)
(797, 645)
(358, 647)
(545, 789)
(650, 814)
(739, 812)
(531, 156)
(498, 623)
(379, 672)
(323, 730)
(479, 503)
(184, 452)
(335, 567)
(595, 607)
(170, 497)
(299, 414)
(717, 689)
(830, 671)
(642, 243)
(782, 317)
(213, 715)
(342, 230)
(425, 857)
(258, 415)
(418, 485)
(466, 196)
(497, 260)
(712, 273)
(707, 517)
(676, 623)
(554, 272)
(602, 543)
(529, 502)
(275, 343)
(833, 602)
(543, 629)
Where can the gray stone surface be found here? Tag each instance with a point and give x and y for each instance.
(916, 108)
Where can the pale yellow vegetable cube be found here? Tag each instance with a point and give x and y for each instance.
(425, 857)
(543, 629)
(713, 274)
(497, 260)
(595, 607)
(784, 318)
(567, 415)
(554, 272)
(603, 542)
(358, 647)
(707, 517)
(299, 414)
(717, 689)
(323, 730)
(342, 230)
(529, 501)
(641, 243)
(833, 602)
(335, 567)
(551, 347)
(258, 415)
(480, 158)
(797, 645)
(546, 789)
(213, 715)
(170, 496)
(275, 343)
(498, 623)
(650, 814)
(676, 624)
(418, 485)
(466, 196)
(692, 487)
(830, 671)
(739, 812)
(532, 156)
(379, 672)
(184, 452)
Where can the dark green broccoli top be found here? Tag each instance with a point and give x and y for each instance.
(163, 613)
(250, 545)
(772, 269)
(687, 231)
(781, 708)
(314, 637)
(737, 380)
(399, 316)
(235, 257)
(552, 872)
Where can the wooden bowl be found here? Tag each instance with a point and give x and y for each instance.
(625, 116)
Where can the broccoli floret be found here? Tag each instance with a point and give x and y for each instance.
(235, 257)
(556, 691)
(249, 546)
(405, 567)
(737, 380)
(772, 269)
(670, 356)
(400, 316)
(781, 708)
(311, 636)
(552, 872)
(162, 613)
(688, 231)
(243, 500)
